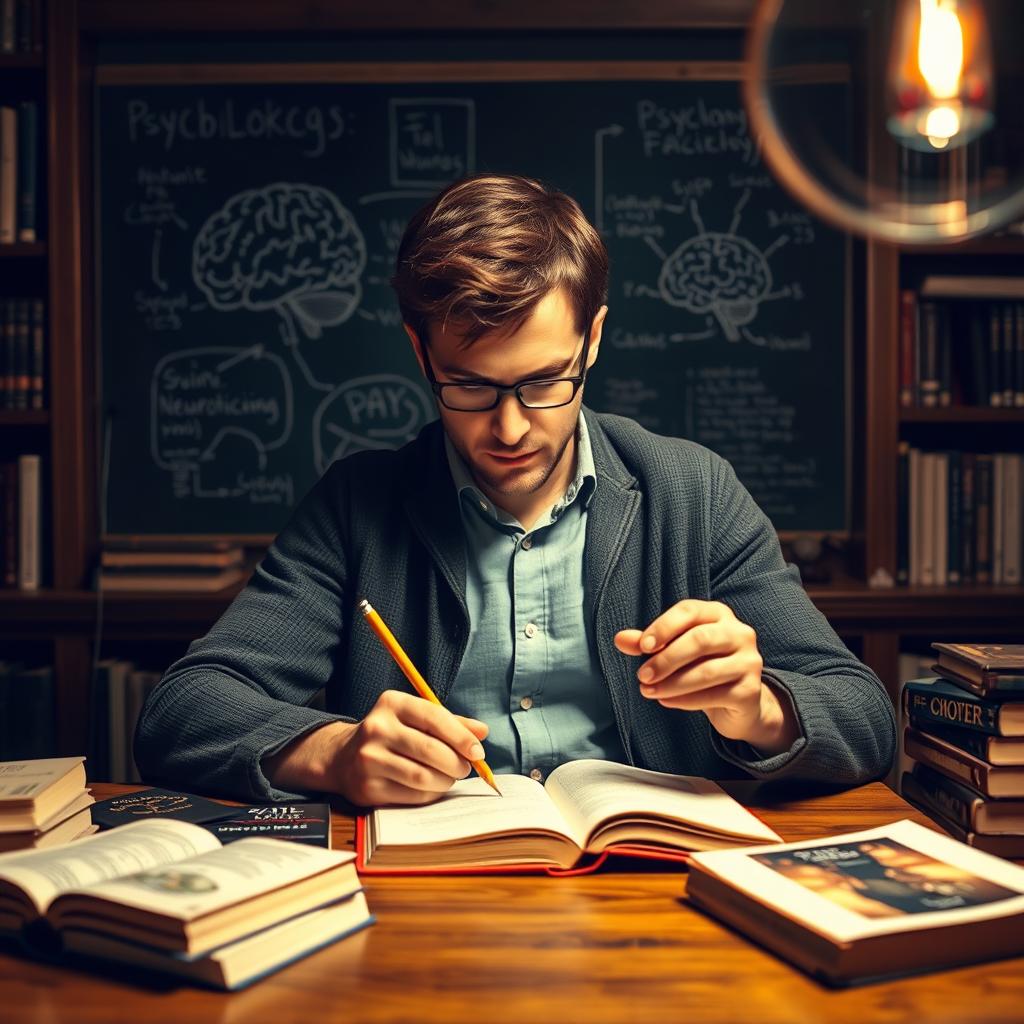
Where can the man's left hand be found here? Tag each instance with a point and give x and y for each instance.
(704, 659)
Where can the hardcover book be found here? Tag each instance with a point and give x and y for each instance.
(867, 905)
(1008, 846)
(984, 664)
(944, 703)
(989, 780)
(156, 803)
(167, 896)
(954, 800)
(301, 823)
(586, 807)
(996, 750)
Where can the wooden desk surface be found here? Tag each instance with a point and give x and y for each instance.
(615, 947)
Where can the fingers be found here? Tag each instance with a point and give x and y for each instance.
(701, 641)
(477, 728)
(675, 621)
(711, 683)
(454, 731)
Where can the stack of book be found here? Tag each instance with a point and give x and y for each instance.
(43, 803)
(164, 566)
(965, 737)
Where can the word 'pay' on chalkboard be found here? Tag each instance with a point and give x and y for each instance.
(249, 335)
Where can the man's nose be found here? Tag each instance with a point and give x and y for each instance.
(510, 422)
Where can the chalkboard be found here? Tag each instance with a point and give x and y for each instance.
(248, 228)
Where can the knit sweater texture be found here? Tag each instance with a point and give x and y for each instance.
(669, 520)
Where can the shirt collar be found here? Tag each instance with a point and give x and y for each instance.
(581, 488)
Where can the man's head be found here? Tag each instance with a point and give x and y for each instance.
(500, 281)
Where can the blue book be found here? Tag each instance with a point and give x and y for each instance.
(943, 703)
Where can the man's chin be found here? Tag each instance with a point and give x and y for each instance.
(513, 482)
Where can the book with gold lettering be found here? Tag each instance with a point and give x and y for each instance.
(866, 906)
(943, 703)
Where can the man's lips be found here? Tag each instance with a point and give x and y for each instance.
(507, 459)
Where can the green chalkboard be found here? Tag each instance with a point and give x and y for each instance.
(247, 231)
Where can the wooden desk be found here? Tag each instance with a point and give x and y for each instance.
(615, 947)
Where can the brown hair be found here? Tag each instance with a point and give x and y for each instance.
(485, 251)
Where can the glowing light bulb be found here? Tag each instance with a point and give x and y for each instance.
(940, 77)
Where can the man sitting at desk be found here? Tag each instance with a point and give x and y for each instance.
(570, 584)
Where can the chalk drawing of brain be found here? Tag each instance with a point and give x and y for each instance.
(289, 247)
(720, 274)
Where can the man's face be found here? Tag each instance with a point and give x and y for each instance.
(516, 454)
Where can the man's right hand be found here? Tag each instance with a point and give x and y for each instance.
(405, 751)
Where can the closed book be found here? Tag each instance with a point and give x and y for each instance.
(944, 703)
(1012, 505)
(30, 551)
(156, 803)
(9, 514)
(908, 344)
(967, 525)
(941, 517)
(969, 809)
(954, 495)
(903, 513)
(887, 901)
(929, 383)
(1009, 346)
(929, 517)
(979, 386)
(987, 779)
(300, 823)
(8, 27)
(22, 383)
(27, 172)
(983, 518)
(32, 792)
(76, 826)
(8, 351)
(1010, 847)
(995, 355)
(996, 686)
(998, 514)
(8, 174)
(945, 354)
(997, 750)
(1018, 388)
(982, 663)
(38, 364)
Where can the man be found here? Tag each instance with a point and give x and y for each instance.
(570, 584)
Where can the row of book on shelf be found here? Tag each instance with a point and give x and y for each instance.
(134, 564)
(116, 893)
(960, 517)
(963, 345)
(22, 358)
(21, 523)
(19, 172)
(21, 29)
(963, 744)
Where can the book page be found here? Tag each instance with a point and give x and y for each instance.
(471, 808)
(45, 874)
(218, 878)
(590, 792)
(898, 877)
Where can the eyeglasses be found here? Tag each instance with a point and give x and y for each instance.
(545, 393)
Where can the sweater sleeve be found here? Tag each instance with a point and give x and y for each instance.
(242, 691)
(848, 729)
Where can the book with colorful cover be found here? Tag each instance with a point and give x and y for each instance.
(156, 803)
(865, 906)
(301, 823)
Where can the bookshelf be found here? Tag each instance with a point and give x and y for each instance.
(65, 616)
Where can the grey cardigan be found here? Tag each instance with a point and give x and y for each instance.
(668, 520)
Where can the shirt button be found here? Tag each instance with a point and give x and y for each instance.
(527, 543)
(530, 630)
(536, 775)
(526, 703)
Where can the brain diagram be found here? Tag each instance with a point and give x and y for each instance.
(288, 247)
(717, 273)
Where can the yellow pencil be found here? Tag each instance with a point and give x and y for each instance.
(419, 684)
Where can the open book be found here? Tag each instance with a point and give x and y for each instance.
(585, 807)
(893, 900)
(167, 895)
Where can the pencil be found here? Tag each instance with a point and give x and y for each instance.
(419, 684)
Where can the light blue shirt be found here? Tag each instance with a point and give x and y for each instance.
(530, 670)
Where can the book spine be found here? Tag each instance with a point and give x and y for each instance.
(22, 381)
(1018, 394)
(915, 527)
(979, 391)
(998, 507)
(955, 498)
(903, 513)
(995, 363)
(929, 381)
(29, 512)
(8, 33)
(941, 517)
(7, 354)
(929, 502)
(945, 344)
(967, 712)
(28, 157)
(1009, 350)
(983, 518)
(926, 787)
(38, 375)
(1012, 519)
(8, 177)
(967, 528)
(10, 521)
(23, 25)
(975, 776)
(908, 344)
(974, 743)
